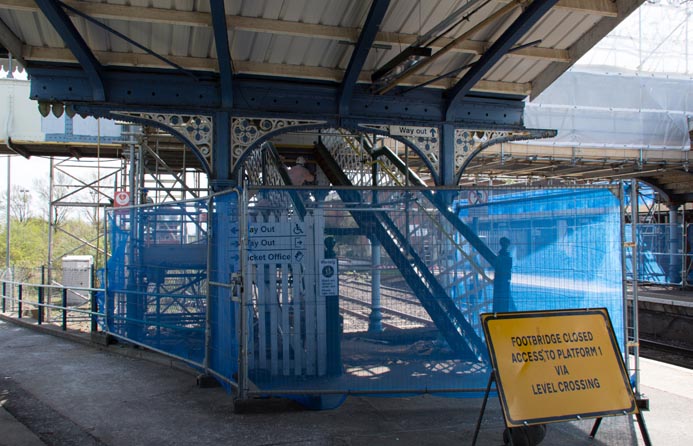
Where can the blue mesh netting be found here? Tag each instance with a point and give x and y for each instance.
(358, 291)
(224, 311)
(660, 258)
(565, 247)
(432, 280)
(157, 277)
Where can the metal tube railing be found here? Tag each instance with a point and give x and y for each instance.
(42, 306)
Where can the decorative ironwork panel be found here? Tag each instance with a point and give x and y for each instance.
(468, 141)
(245, 131)
(197, 129)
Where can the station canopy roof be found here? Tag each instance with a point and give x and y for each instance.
(485, 48)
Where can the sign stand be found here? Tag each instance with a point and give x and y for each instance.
(560, 365)
(491, 380)
(641, 424)
(597, 422)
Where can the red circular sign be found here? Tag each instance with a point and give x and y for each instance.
(122, 198)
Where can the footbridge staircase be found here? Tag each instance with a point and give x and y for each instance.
(442, 260)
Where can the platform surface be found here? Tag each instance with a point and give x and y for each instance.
(71, 393)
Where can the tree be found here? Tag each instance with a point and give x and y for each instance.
(20, 203)
(60, 189)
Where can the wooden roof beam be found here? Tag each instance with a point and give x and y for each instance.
(266, 69)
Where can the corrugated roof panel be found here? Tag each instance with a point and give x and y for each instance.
(260, 48)
(552, 22)
(161, 38)
(332, 56)
(251, 8)
(281, 48)
(298, 51)
(397, 15)
(179, 40)
(512, 69)
(290, 10)
(580, 29)
(273, 9)
(504, 69)
(189, 5)
(534, 70)
(325, 13)
(117, 44)
(203, 6)
(97, 38)
(201, 42)
(413, 16)
(494, 29)
(42, 27)
(241, 43)
(13, 19)
(324, 53)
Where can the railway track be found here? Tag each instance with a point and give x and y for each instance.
(400, 309)
(396, 294)
(667, 352)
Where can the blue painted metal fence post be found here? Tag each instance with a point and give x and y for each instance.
(675, 264)
(19, 301)
(375, 319)
(39, 314)
(501, 279)
(94, 304)
(64, 324)
(334, 322)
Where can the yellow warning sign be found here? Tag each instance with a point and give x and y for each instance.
(557, 365)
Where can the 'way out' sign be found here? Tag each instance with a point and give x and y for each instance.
(418, 132)
(557, 365)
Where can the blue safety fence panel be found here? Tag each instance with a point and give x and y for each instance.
(224, 289)
(355, 291)
(156, 277)
(565, 246)
(660, 255)
(380, 291)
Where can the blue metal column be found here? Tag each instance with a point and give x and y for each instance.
(447, 155)
(221, 152)
(675, 249)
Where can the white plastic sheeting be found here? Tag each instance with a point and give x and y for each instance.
(657, 38)
(615, 110)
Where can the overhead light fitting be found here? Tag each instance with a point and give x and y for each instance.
(400, 64)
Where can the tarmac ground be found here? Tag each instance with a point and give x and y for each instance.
(58, 391)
